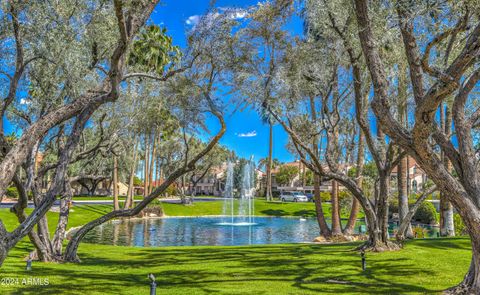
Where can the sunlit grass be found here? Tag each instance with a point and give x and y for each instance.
(423, 267)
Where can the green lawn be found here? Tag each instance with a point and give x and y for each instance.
(262, 208)
(423, 267)
(84, 213)
(99, 198)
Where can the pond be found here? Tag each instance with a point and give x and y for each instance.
(196, 231)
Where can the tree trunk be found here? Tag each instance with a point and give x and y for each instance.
(60, 231)
(145, 170)
(72, 247)
(383, 205)
(268, 194)
(402, 170)
(336, 225)
(447, 227)
(131, 190)
(471, 281)
(151, 166)
(322, 223)
(350, 227)
(116, 205)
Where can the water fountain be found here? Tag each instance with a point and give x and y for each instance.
(244, 215)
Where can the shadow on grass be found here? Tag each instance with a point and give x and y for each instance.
(281, 212)
(93, 208)
(295, 269)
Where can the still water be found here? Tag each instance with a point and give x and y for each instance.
(195, 231)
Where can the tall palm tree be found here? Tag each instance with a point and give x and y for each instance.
(154, 50)
(274, 163)
(267, 119)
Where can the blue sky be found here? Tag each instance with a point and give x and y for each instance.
(246, 134)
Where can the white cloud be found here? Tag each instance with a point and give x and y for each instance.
(23, 101)
(248, 134)
(239, 14)
(232, 13)
(193, 20)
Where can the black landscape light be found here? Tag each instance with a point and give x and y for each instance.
(153, 284)
(364, 261)
(29, 264)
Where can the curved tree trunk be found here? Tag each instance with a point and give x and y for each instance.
(60, 232)
(322, 223)
(471, 281)
(72, 247)
(350, 227)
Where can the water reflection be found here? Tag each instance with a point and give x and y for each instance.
(205, 231)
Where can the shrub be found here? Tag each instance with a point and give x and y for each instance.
(171, 190)
(12, 192)
(419, 232)
(345, 201)
(426, 213)
(325, 196)
(460, 228)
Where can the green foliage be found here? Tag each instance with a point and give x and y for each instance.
(286, 174)
(325, 196)
(137, 181)
(460, 228)
(345, 201)
(370, 170)
(426, 213)
(308, 175)
(171, 190)
(154, 50)
(419, 232)
(12, 192)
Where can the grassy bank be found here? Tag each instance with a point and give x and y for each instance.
(81, 214)
(262, 208)
(423, 267)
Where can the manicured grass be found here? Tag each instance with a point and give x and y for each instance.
(100, 198)
(262, 208)
(83, 213)
(423, 267)
(80, 215)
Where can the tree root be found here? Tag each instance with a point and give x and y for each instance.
(378, 246)
(462, 289)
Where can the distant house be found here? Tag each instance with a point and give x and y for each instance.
(298, 182)
(211, 184)
(416, 177)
